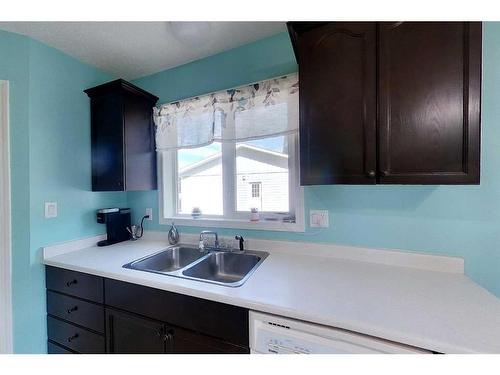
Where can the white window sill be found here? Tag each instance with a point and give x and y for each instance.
(235, 223)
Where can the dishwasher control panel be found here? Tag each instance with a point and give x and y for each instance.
(271, 334)
(270, 344)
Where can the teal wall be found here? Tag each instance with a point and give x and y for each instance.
(50, 161)
(455, 220)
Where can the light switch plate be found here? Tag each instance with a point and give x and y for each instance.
(149, 211)
(318, 219)
(50, 210)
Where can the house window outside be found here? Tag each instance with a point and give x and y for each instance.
(256, 189)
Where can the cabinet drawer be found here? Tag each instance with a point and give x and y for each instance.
(74, 338)
(53, 348)
(77, 284)
(86, 314)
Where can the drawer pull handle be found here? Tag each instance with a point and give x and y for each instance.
(69, 283)
(74, 308)
(75, 336)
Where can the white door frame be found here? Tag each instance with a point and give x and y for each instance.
(6, 345)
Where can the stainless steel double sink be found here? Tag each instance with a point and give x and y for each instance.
(189, 262)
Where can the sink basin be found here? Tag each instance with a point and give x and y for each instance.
(226, 268)
(188, 262)
(171, 259)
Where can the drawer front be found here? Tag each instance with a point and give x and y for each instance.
(74, 338)
(53, 348)
(226, 322)
(77, 284)
(86, 314)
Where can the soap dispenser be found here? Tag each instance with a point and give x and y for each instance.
(173, 235)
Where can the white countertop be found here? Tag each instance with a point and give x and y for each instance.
(440, 311)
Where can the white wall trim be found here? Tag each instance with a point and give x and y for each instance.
(6, 339)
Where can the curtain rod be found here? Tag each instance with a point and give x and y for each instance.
(231, 88)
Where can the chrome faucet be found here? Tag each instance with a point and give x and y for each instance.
(203, 233)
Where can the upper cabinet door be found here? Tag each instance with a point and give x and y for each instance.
(429, 102)
(337, 69)
(123, 149)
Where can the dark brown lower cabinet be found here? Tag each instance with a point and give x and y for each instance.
(75, 338)
(130, 334)
(54, 348)
(189, 342)
(134, 319)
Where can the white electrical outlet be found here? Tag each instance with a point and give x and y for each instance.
(50, 210)
(318, 219)
(149, 211)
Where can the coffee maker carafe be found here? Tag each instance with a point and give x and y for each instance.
(117, 220)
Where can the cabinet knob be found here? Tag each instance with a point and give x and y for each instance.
(69, 283)
(169, 341)
(73, 337)
(371, 174)
(384, 173)
(74, 308)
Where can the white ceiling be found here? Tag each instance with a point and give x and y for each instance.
(135, 49)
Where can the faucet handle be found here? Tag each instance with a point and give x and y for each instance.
(241, 240)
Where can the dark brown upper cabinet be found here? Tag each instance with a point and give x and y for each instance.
(122, 130)
(390, 103)
(337, 63)
(429, 102)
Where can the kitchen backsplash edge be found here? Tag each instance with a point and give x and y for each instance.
(392, 257)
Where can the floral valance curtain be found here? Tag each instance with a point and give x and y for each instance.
(264, 109)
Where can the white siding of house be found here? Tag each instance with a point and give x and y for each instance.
(274, 185)
(204, 188)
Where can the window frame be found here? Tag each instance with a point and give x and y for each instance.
(167, 166)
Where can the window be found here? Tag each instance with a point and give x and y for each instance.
(217, 179)
(256, 189)
(227, 180)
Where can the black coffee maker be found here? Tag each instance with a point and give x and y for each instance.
(117, 220)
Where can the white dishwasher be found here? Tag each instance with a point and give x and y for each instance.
(278, 335)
